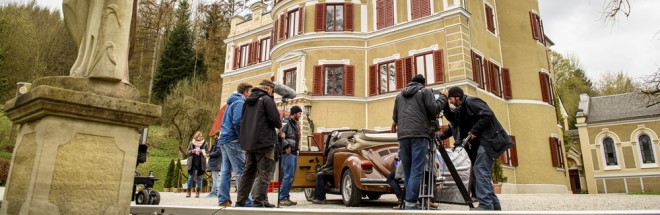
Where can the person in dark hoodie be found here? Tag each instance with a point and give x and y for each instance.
(414, 110)
(486, 136)
(233, 156)
(258, 138)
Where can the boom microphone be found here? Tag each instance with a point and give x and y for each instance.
(284, 91)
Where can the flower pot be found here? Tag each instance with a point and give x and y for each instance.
(166, 189)
(176, 189)
(497, 188)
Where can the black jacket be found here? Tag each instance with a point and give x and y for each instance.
(414, 108)
(474, 116)
(215, 157)
(260, 119)
(329, 168)
(291, 138)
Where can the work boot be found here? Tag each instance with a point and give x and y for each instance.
(497, 207)
(225, 204)
(197, 193)
(188, 193)
(287, 202)
(319, 202)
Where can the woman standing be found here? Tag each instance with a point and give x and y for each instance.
(196, 161)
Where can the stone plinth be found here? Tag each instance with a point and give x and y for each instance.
(76, 148)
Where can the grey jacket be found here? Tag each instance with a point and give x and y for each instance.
(190, 154)
(414, 108)
(291, 138)
(329, 167)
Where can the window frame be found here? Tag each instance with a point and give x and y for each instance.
(296, 23)
(641, 154)
(387, 63)
(264, 50)
(293, 84)
(492, 18)
(482, 72)
(606, 166)
(430, 53)
(243, 57)
(560, 153)
(334, 17)
(325, 87)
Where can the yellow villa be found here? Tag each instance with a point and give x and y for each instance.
(348, 59)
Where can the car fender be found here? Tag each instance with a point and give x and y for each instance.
(353, 163)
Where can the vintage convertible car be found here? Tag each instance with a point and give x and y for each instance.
(361, 168)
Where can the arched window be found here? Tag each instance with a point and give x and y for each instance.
(646, 149)
(610, 152)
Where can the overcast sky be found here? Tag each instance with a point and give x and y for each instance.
(577, 27)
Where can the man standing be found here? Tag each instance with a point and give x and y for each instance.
(233, 157)
(290, 140)
(414, 109)
(258, 138)
(215, 164)
(486, 134)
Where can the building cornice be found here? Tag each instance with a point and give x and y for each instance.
(248, 33)
(620, 122)
(246, 69)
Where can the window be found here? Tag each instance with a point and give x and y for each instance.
(264, 52)
(334, 20)
(291, 23)
(243, 58)
(490, 18)
(510, 156)
(496, 77)
(424, 66)
(646, 149)
(610, 152)
(547, 92)
(333, 80)
(387, 77)
(290, 78)
(557, 153)
(537, 27)
(478, 70)
(384, 13)
(420, 8)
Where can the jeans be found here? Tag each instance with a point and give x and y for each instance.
(216, 183)
(412, 152)
(394, 185)
(259, 167)
(233, 158)
(482, 167)
(289, 163)
(191, 173)
(321, 180)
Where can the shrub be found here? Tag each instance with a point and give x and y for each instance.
(4, 171)
(177, 174)
(170, 175)
(497, 174)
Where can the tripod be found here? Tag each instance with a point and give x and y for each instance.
(427, 185)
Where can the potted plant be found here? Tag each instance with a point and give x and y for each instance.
(176, 177)
(168, 178)
(497, 175)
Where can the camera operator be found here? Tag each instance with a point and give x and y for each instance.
(414, 110)
(486, 136)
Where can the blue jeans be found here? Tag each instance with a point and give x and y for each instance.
(191, 173)
(289, 163)
(233, 158)
(483, 165)
(216, 182)
(412, 152)
(321, 180)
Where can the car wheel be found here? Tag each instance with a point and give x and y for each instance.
(142, 197)
(309, 194)
(154, 198)
(374, 196)
(350, 194)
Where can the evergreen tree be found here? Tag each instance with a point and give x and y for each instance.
(178, 60)
(177, 174)
(170, 175)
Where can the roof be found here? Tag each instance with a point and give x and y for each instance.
(620, 107)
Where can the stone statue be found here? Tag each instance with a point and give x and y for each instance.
(101, 28)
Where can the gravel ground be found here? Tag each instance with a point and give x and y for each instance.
(511, 202)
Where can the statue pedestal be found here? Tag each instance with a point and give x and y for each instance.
(76, 148)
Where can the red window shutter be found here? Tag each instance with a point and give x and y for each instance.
(506, 81)
(532, 20)
(250, 54)
(487, 80)
(514, 152)
(489, 19)
(237, 57)
(389, 10)
(318, 81)
(253, 52)
(415, 13)
(541, 32)
(273, 35)
(503, 159)
(282, 27)
(475, 69)
(373, 80)
(320, 17)
(424, 8)
(258, 51)
(438, 66)
(544, 87)
(408, 69)
(553, 151)
(400, 74)
(380, 18)
(301, 20)
(349, 80)
(348, 16)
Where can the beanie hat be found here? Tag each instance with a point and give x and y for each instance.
(295, 109)
(455, 92)
(419, 78)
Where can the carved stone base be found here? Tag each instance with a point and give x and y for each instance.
(75, 152)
